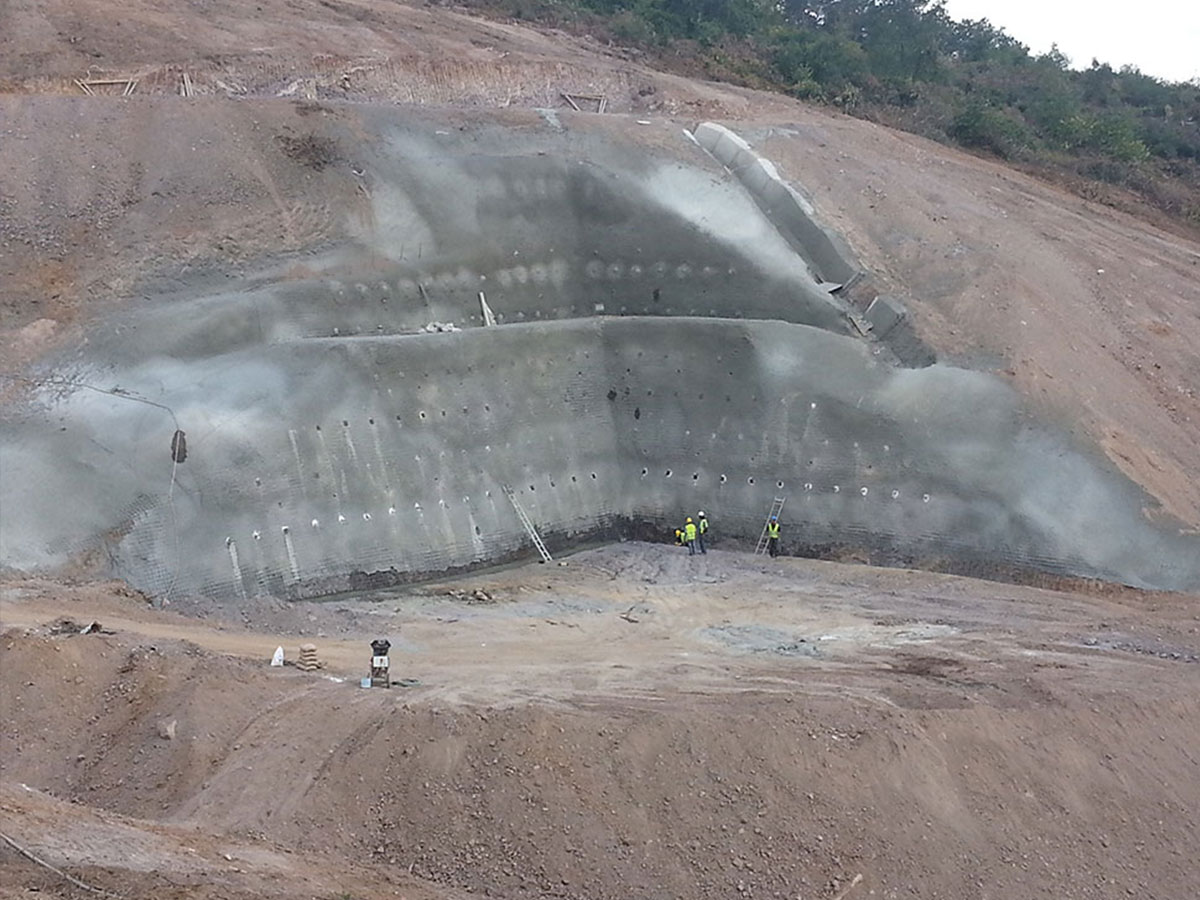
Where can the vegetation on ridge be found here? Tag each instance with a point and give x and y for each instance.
(908, 64)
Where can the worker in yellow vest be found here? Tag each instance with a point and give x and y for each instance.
(689, 536)
(678, 537)
(773, 536)
(701, 531)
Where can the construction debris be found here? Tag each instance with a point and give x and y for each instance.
(69, 626)
(861, 325)
(128, 85)
(884, 314)
(440, 328)
(308, 661)
(857, 880)
(600, 101)
(479, 595)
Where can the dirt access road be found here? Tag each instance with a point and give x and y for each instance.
(636, 723)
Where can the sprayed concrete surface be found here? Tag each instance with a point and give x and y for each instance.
(662, 347)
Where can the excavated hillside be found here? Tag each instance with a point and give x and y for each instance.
(679, 325)
(248, 254)
(1108, 304)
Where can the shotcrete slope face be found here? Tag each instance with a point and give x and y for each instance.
(662, 348)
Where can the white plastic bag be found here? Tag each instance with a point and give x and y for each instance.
(277, 659)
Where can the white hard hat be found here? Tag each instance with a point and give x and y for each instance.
(701, 512)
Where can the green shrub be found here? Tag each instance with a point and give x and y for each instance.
(983, 126)
(1116, 136)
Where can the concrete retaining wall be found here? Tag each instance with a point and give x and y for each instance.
(664, 350)
(326, 465)
(826, 253)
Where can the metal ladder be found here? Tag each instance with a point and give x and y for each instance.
(486, 311)
(527, 523)
(776, 508)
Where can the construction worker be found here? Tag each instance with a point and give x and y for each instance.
(701, 531)
(678, 537)
(773, 536)
(689, 536)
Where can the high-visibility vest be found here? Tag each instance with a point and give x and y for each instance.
(703, 525)
(773, 530)
(689, 531)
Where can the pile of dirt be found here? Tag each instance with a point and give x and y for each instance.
(113, 855)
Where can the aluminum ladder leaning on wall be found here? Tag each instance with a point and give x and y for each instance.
(486, 311)
(776, 508)
(527, 523)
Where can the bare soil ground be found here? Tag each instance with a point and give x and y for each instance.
(374, 50)
(635, 724)
(142, 858)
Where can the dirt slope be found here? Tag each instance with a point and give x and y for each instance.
(740, 731)
(139, 858)
(332, 49)
(1093, 315)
